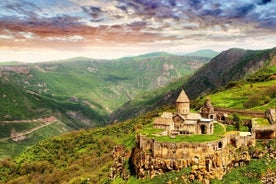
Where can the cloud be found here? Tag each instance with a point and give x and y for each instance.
(94, 12)
(15, 7)
(132, 22)
(264, 2)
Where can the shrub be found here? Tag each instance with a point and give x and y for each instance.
(271, 91)
(232, 84)
(237, 121)
(255, 100)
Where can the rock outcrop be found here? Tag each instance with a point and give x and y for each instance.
(118, 169)
(269, 177)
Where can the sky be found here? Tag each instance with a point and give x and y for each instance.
(43, 30)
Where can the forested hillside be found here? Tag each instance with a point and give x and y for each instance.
(224, 70)
(77, 93)
(86, 156)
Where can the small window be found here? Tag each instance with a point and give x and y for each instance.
(220, 145)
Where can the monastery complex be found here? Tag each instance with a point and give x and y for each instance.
(185, 122)
(208, 160)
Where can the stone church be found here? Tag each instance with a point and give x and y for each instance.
(185, 122)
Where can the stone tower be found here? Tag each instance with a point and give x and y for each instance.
(183, 104)
(207, 110)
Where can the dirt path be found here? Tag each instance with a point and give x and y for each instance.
(18, 136)
(43, 120)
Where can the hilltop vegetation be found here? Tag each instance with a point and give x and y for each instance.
(230, 65)
(204, 53)
(255, 92)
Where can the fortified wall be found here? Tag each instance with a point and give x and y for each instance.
(212, 159)
(269, 114)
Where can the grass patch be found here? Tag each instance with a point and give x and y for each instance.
(254, 96)
(151, 131)
(244, 128)
(261, 121)
(218, 134)
(230, 128)
(218, 129)
(187, 138)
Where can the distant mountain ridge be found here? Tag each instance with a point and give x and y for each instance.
(204, 53)
(107, 83)
(230, 65)
(201, 53)
(81, 92)
(151, 54)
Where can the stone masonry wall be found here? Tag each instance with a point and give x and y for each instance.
(213, 159)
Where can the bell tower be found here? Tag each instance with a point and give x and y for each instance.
(207, 110)
(183, 104)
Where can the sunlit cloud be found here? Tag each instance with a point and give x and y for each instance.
(168, 25)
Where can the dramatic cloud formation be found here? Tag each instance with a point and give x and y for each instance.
(114, 28)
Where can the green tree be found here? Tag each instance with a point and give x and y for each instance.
(237, 121)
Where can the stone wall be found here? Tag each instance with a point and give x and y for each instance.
(270, 115)
(212, 159)
(265, 132)
(255, 114)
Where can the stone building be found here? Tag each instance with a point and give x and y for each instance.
(185, 122)
(208, 110)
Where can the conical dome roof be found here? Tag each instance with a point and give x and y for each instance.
(182, 97)
(207, 103)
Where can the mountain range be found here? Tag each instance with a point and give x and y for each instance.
(227, 67)
(78, 93)
(85, 156)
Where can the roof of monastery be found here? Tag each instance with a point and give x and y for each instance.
(167, 115)
(207, 103)
(244, 134)
(190, 116)
(182, 97)
(206, 120)
(163, 121)
(193, 116)
(190, 122)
